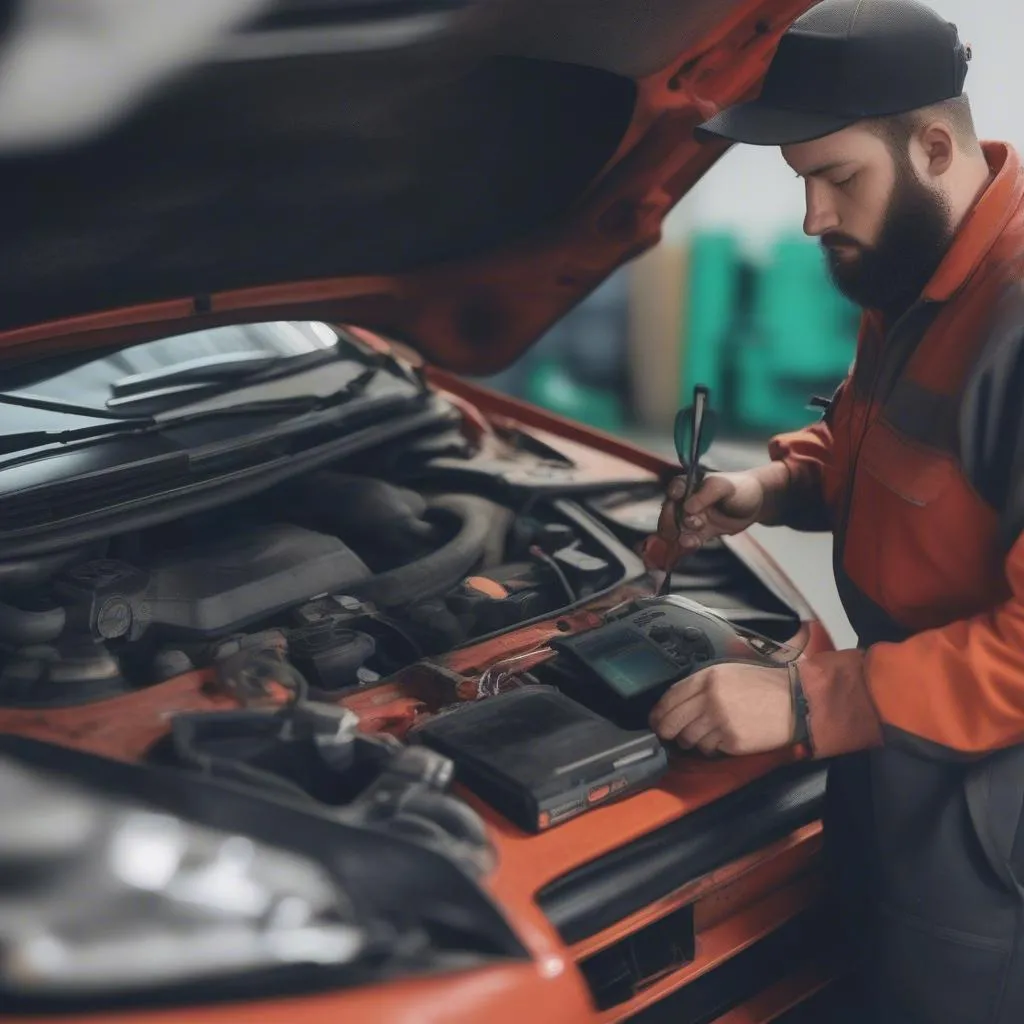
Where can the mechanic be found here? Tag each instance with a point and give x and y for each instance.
(917, 467)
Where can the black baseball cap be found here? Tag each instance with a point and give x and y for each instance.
(844, 61)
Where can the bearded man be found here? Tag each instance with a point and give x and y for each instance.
(917, 468)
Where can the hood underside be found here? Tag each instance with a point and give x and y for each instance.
(457, 187)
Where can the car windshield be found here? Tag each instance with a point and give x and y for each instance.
(183, 361)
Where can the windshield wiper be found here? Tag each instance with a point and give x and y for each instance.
(215, 369)
(139, 425)
(180, 380)
(29, 439)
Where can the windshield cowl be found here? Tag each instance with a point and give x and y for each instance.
(290, 370)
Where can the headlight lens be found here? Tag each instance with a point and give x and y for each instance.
(100, 896)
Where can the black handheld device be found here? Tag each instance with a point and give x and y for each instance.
(540, 758)
(621, 668)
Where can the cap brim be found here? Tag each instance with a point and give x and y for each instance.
(758, 124)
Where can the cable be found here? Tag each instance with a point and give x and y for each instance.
(543, 556)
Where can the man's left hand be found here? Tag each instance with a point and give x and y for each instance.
(729, 709)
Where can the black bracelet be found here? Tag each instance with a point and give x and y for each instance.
(801, 729)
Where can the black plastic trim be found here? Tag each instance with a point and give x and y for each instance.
(616, 973)
(598, 894)
(802, 939)
(197, 497)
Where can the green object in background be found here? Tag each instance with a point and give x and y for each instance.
(550, 386)
(765, 404)
(804, 319)
(711, 304)
(801, 338)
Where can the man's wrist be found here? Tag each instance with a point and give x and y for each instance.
(775, 479)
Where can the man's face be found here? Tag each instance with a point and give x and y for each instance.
(884, 229)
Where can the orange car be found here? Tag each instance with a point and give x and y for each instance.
(278, 589)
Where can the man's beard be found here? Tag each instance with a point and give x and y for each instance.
(891, 275)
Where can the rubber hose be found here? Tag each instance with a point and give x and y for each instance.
(28, 572)
(384, 523)
(443, 569)
(501, 523)
(20, 628)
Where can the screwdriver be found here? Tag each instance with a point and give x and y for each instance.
(692, 433)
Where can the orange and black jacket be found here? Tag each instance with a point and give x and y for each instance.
(918, 470)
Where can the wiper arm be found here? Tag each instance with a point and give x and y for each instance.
(29, 439)
(295, 405)
(188, 377)
(54, 405)
(225, 366)
(212, 374)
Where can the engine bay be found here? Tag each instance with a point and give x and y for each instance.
(362, 576)
(343, 612)
(410, 576)
(410, 570)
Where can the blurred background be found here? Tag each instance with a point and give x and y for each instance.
(737, 298)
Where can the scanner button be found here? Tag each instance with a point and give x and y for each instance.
(598, 793)
(692, 633)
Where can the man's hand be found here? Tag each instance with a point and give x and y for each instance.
(732, 709)
(726, 503)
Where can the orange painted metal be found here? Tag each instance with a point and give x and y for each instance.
(123, 728)
(544, 993)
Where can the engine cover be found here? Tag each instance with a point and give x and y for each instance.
(237, 580)
(213, 588)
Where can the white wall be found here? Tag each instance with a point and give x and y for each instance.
(752, 192)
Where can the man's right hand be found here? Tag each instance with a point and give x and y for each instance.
(725, 504)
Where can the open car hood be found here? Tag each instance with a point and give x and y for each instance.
(455, 174)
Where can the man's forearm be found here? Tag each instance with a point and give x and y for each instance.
(776, 481)
(796, 487)
(792, 496)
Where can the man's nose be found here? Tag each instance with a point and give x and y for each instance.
(821, 215)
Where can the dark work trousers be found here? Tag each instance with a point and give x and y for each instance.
(923, 860)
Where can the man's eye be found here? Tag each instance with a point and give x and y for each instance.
(845, 182)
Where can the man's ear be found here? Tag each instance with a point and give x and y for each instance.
(935, 147)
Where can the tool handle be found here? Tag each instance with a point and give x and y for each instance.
(693, 482)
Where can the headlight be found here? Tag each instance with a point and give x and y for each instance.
(102, 896)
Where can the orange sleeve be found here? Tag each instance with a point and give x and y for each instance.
(814, 463)
(949, 692)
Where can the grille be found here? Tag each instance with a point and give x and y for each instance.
(742, 977)
(619, 972)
